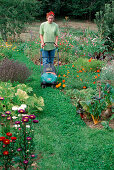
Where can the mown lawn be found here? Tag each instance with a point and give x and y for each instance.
(63, 141)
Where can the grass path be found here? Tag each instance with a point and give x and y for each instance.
(63, 141)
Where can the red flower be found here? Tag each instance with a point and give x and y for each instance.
(13, 138)
(2, 138)
(84, 87)
(89, 60)
(9, 134)
(6, 141)
(5, 153)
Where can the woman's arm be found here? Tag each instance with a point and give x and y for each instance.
(56, 41)
(42, 41)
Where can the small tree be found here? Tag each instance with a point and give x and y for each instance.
(15, 13)
(105, 22)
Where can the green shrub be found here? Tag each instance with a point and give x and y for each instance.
(105, 23)
(90, 65)
(107, 72)
(13, 71)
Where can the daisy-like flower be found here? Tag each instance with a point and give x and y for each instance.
(25, 161)
(3, 115)
(35, 121)
(14, 117)
(28, 138)
(17, 122)
(15, 108)
(32, 116)
(1, 98)
(21, 111)
(25, 120)
(23, 106)
(19, 149)
(8, 112)
(8, 118)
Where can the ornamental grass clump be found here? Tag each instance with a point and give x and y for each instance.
(13, 71)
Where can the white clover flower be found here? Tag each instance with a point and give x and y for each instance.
(15, 108)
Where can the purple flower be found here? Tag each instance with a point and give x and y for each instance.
(33, 156)
(8, 118)
(25, 119)
(32, 116)
(21, 111)
(1, 98)
(3, 115)
(8, 112)
(19, 149)
(25, 161)
(35, 121)
(28, 138)
(17, 122)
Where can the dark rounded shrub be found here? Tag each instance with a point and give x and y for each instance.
(13, 70)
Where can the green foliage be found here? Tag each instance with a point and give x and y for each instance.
(14, 14)
(17, 95)
(91, 65)
(107, 72)
(13, 71)
(105, 23)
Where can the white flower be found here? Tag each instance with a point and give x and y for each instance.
(23, 106)
(16, 126)
(27, 126)
(14, 117)
(15, 108)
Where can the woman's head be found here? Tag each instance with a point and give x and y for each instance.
(50, 17)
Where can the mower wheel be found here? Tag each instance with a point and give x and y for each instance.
(43, 86)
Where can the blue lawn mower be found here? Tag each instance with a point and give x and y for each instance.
(49, 72)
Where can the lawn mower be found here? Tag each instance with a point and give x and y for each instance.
(49, 72)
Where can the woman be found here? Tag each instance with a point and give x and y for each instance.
(49, 33)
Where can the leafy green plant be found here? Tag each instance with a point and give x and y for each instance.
(13, 71)
(90, 65)
(105, 20)
(17, 95)
(107, 72)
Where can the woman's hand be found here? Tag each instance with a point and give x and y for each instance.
(42, 45)
(56, 45)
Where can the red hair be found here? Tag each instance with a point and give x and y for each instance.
(50, 13)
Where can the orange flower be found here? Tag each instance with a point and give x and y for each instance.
(89, 60)
(91, 68)
(72, 65)
(96, 77)
(59, 75)
(64, 85)
(80, 79)
(77, 75)
(84, 87)
(80, 71)
(57, 86)
(63, 81)
(98, 71)
(94, 82)
(64, 75)
(82, 68)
